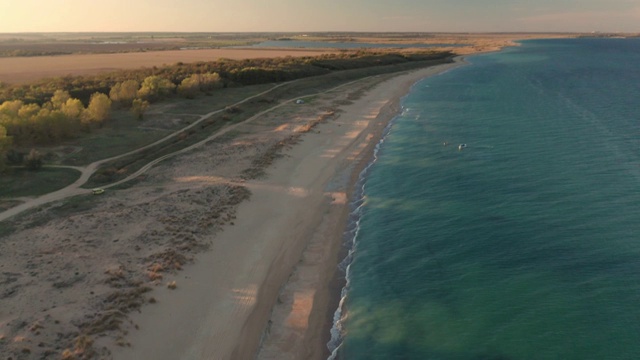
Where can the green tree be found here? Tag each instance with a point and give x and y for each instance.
(192, 85)
(33, 161)
(73, 108)
(59, 98)
(57, 126)
(123, 93)
(189, 87)
(5, 146)
(11, 108)
(98, 110)
(139, 107)
(210, 81)
(155, 87)
(32, 124)
(28, 111)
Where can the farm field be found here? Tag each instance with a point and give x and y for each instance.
(25, 69)
(89, 54)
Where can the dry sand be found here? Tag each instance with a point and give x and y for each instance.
(291, 228)
(79, 282)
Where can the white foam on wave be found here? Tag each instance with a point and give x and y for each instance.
(350, 240)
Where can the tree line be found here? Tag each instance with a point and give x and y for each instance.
(63, 116)
(60, 118)
(231, 72)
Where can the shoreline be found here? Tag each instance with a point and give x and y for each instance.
(329, 297)
(260, 277)
(270, 284)
(226, 252)
(182, 265)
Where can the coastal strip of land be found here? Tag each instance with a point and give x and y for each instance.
(77, 271)
(268, 283)
(225, 249)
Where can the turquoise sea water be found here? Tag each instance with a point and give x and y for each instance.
(525, 244)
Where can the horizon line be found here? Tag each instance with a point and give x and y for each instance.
(318, 32)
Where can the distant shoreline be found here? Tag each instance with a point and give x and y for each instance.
(328, 295)
(152, 51)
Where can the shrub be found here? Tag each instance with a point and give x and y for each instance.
(33, 161)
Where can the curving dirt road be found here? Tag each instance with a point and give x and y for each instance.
(87, 171)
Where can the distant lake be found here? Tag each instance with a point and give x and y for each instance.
(344, 45)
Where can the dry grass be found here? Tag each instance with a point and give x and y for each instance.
(20, 70)
(83, 349)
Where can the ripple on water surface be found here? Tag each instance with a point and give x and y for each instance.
(523, 245)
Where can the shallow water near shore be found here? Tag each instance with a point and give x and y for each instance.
(526, 243)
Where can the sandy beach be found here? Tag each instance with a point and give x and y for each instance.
(229, 251)
(271, 272)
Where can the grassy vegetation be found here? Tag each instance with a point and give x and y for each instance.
(121, 168)
(6, 229)
(23, 182)
(325, 82)
(52, 111)
(73, 205)
(124, 133)
(232, 72)
(38, 216)
(218, 99)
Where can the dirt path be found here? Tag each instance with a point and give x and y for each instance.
(87, 171)
(226, 221)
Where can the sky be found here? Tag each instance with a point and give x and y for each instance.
(319, 15)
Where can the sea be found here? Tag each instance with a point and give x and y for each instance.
(521, 244)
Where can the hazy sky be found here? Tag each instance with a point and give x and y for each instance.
(319, 15)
